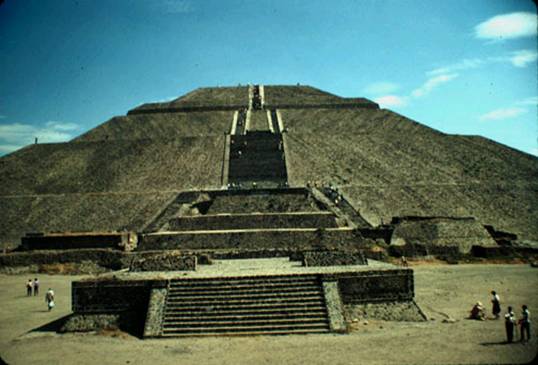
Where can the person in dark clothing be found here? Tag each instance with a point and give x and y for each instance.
(509, 324)
(525, 324)
(496, 301)
(478, 312)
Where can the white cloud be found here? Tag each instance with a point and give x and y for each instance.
(533, 100)
(507, 26)
(524, 57)
(519, 58)
(466, 64)
(504, 113)
(380, 88)
(16, 135)
(534, 151)
(62, 126)
(432, 83)
(166, 100)
(391, 101)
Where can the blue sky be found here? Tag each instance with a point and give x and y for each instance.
(463, 67)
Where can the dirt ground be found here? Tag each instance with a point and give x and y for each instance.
(442, 291)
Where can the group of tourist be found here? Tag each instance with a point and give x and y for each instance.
(510, 321)
(32, 289)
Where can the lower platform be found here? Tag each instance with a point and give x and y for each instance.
(241, 297)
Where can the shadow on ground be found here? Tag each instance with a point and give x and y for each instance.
(53, 326)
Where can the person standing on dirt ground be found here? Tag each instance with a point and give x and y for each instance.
(496, 300)
(509, 324)
(29, 287)
(36, 286)
(525, 323)
(49, 298)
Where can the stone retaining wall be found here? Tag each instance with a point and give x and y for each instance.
(111, 296)
(333, 258)
(168, 261)
(263, 239)
(377, 286)
(42, 241)
(417, 250)
(250, 221)
(111, 259)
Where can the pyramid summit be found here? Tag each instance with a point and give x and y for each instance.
(284, 149)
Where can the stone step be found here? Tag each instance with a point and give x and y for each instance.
(256, 280)
(250, 332)
(239, 295)
(246, 286)
(304, 305)
(246, 314)
(208, 301)
(251, 290)
(243, 322)
(244, 305)
(324, 327)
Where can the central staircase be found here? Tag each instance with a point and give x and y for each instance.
(253, 305)
(257, 157)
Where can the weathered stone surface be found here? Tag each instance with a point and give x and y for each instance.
(377, 286)
(388, 165)
(110, 296)
(334, 306)
(110, 259)
(155, 315)
(406, 311)
(332, 258)
(253, 221)
(462, 233)
(90, 322)
(168, 261)
(254, 239)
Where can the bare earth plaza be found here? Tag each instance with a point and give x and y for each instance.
(267, 224)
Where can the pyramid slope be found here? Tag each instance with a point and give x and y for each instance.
(161, 126)
(210, 97)
(114, 166)
(78, 212)
(279, 96)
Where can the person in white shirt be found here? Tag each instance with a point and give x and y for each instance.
(49, 298)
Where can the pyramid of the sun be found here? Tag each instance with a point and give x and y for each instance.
(119, 175)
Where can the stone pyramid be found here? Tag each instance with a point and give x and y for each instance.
(122, 175)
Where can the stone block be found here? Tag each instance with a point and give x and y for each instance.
(168, 261)
(155, 315)
(334, 306)
(333, 258)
